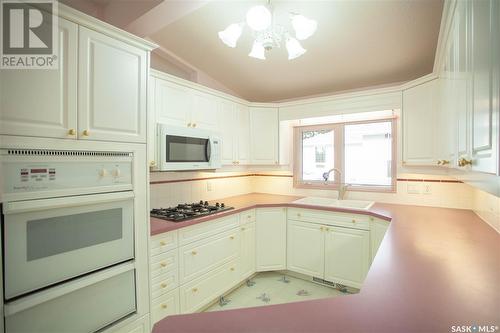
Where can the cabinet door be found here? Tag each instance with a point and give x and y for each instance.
(205, 111)
(419, 108)
(243, 134)
(485, 60)
(247, 250)
(306, 248)
(264, 128)
(112, 89)
(227, 132)
(42, 102)
(378, 228)
(347, 256)
(270, 235)
(173, 103)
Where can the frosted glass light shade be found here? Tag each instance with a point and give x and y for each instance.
(294, 48)
(304, 27)
(231, 34)
(259, 18)
(258, 51)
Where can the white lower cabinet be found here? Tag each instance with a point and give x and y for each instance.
(347, 256)
(202, 256)
(247, 250)
(204, 289)
(165, 305)
(306, 248)
(270, 233)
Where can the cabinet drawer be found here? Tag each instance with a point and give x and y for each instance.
(247, 216)
(163, 242)
(163, 263)
(165, 305)
(348, 220)
(160, 285)
(207, 229)
(200, 257)
(200, 292)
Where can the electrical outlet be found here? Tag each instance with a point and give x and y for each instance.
(413, 188)
(209, 186)
(427, 188)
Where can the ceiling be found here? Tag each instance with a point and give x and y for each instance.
(358, 44)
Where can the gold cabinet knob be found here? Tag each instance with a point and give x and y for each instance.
(231, 237)
(71, 131)
(86, 133)
(194, 253)
(237, 162)
(243, 229)
(276, 162)
(163, 264)
(249, 216)
(163, 285)
(152, 163)
(353, 221)
(321, 228)
(189, 124)
(195, 290)
(162, 243)
(462, 161)
(327, 229)
(194, 124)
(299, 215)
(232, 269)
(164, 306)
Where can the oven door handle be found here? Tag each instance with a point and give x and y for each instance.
(44, 204)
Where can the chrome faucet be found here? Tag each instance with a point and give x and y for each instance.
(342, 187)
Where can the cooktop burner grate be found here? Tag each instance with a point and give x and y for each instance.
(183, 212)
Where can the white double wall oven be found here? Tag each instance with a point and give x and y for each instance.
(68, 236)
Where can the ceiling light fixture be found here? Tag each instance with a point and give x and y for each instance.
(268, 35)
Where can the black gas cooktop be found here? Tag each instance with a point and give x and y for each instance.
(185, 211)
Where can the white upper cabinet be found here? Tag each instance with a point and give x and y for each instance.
(112, 89)
(204, 112)
(419, 122)
(234, 129)
(178, 105)
(264, 133)
(485, 75)
(270, 235)
(41, 102)
(172, 103)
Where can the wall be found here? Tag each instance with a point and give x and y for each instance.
(169, 189)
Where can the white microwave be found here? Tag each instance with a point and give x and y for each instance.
(187, 148)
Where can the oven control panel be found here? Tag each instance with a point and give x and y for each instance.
(49, 177)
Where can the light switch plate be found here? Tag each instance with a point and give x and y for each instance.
(413, 188)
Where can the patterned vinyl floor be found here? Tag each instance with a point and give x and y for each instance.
(270, 288)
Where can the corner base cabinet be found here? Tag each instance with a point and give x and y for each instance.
(270, 233)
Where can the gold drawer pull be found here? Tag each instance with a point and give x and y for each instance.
(163, 264)
(163, 285)
(194, 253)
(195, 290)
(164, 306)
(162, 243)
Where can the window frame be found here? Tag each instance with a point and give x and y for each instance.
(339, 154)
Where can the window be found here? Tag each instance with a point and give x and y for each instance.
(358, 154)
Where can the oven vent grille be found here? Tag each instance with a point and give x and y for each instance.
(50, 152)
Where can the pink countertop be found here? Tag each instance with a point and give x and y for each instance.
(435, 268)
